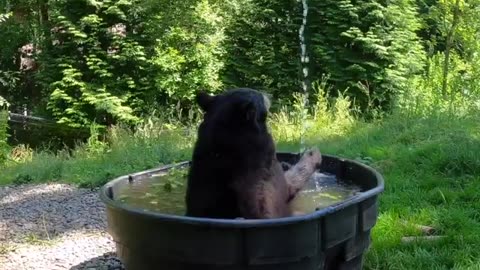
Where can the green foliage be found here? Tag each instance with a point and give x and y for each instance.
(96, 68)
(110, 62)
(328, 115)
(450, 30)
(368, 47)
(263, 46)
(425, 96)
(14, 35)
(406, 54)
(4, 17)
(20, 154)
(188, 49)
(437, 19)
(4, 103)
(22, 179)
(94, 145)
(94, 71)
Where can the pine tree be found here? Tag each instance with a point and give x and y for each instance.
(95, 69)
(263, 46)
(366, 47)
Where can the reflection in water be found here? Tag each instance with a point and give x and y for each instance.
(165, 193)
(321, 191)
(162, 193)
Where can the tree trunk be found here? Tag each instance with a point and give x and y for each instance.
(43, 6)
(448, 47)
(44, 20)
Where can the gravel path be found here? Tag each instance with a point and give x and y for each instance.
(54, 226)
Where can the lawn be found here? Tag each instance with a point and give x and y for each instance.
(432, 177)
(431, 166)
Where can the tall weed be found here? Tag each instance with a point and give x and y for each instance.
(326, 116)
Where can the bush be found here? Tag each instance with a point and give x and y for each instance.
(369, 48)
(188, 50)
(94, 66)
(263, 46)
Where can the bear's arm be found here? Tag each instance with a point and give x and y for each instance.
(298, 175)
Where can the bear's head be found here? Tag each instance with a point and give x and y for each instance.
(237, 109)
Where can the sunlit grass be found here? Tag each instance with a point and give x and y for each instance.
(127, 152)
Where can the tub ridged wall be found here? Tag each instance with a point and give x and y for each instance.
(331, 238)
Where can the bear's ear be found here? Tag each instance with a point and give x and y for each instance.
(267, 100)
(204, 100)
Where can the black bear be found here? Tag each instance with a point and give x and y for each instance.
(234, 171)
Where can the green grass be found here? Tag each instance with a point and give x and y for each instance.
(431, 166)
(432, 174)
(90, 167)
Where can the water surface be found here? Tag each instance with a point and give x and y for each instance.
(323, 190)
(165, 193)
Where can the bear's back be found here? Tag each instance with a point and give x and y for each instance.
(218, 162)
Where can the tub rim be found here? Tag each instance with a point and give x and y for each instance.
(236, 223)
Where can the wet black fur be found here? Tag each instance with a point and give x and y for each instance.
(233, 143)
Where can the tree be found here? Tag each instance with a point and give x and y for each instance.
(18, 53)
(452, 29)
(367, 47)
(188, 49)
(263, 46)
(95, 68)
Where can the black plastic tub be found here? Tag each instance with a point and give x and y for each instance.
(331, 238)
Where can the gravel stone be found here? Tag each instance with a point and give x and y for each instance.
(54, 226)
